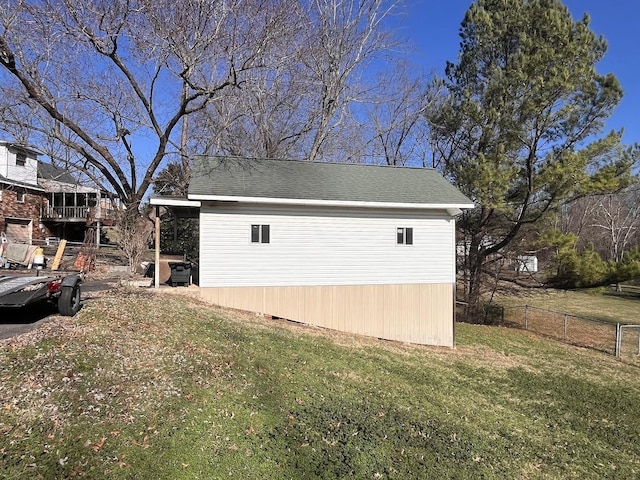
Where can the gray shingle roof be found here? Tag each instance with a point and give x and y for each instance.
(50, 172)
(290, 179)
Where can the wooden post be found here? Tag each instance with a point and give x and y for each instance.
(156, 267)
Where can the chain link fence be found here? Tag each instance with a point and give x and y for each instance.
(611, 338)
(572, 329)
(628, 342)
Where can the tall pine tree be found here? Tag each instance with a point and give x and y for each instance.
(518, 128)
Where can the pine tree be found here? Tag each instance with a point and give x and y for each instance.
(518, 128)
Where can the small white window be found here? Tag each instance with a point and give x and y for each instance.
(260, 234)
(20, 195)
(404, 235)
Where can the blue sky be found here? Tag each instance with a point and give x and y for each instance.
(433, 26)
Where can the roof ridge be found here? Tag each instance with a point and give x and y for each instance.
(354, 164)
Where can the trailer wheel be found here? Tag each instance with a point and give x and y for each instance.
(69, 301)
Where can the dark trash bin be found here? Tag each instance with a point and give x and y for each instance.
(180, 273)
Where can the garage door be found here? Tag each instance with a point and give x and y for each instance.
(18, 230)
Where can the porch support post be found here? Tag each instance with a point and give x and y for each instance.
(156, 267)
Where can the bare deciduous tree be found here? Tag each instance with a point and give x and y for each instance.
(133, 236)
(103, 87)
(610, 222)
(307, 104)
(397, 126)
(111, 82)
(348, 38)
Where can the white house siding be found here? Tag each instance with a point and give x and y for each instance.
(4, 161)
(24, 174)
(335, 268)
(312, 246)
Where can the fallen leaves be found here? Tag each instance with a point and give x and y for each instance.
(98, 446)
(111, 364)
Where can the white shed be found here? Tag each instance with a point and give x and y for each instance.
(358, 248)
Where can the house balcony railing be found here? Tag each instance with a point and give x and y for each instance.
(78, 213)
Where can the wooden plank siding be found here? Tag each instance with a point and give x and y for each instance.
(418, 313)
(338, 268)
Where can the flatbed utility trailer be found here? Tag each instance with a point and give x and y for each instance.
(63, 291)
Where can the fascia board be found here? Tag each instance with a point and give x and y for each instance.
(333, 203)
(21, 148)
(173, 202)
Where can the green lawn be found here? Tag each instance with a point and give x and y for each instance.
(143, 386)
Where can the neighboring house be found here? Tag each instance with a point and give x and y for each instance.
(40, 201)
(71, 206)
(20, 195)
(358, 248)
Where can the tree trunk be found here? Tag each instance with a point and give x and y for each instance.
(474, 312)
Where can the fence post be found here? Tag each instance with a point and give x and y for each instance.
(617, 347)
(564, 332)
(526, 317)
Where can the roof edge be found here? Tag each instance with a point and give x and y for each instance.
(168, 201)
(334, 203)
(240, 158)
(20, 146)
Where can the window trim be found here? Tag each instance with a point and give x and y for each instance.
(21, 196)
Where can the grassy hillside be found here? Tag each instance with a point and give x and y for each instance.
(143, 386)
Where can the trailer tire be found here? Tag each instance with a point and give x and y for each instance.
(69, 301)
